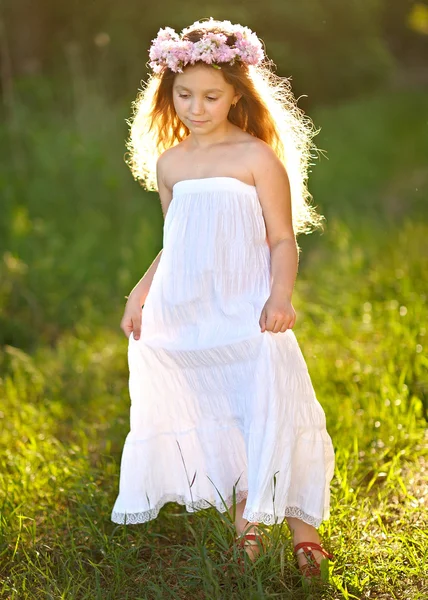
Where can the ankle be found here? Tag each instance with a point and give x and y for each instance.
(306, 536)
(252, 541)
(246, 527)
(303, 532)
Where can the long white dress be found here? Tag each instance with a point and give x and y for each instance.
(217, 407)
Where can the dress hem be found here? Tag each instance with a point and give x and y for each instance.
(136, 518)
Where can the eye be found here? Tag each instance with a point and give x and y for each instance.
(212, 99)
(183, 95)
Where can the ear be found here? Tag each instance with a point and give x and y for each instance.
(236, 99)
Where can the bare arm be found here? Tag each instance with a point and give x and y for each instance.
(142, 288)
(284, 261)
(131, 320)
(273, 189)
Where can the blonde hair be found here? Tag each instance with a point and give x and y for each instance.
(267, 110)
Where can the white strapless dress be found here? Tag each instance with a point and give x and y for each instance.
(217, 407)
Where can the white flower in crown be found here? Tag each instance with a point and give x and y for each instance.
(169, 50)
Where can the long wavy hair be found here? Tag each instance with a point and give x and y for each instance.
(267, 110)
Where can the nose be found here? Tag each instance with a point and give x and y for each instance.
(197, 107)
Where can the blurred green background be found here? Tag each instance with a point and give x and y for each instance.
(76, 233)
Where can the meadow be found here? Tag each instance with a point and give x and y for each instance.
(77, 233)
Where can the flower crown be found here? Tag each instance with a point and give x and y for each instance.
(169, 50)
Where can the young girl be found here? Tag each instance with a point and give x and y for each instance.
(221, 397)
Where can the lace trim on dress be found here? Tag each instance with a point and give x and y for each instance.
(290, 511)
(253, 517)
(152, 513)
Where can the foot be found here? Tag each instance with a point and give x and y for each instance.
(252, 544)
(251, 540)
(309, 565)
(311, 537)
(308, 559)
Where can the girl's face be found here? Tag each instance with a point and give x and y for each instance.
(202, 98)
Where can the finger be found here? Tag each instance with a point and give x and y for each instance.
(274, 323)
(270, 323)
(277, 326)
(282, 326)
(126, 327)
(136, 327)
(262, 321)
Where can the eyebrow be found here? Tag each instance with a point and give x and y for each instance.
(182, 87)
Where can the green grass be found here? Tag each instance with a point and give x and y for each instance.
(70, 255)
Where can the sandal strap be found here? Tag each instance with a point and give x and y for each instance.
(310, 570)
(308, 546)
(251, 538)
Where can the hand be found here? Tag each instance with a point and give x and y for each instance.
(277, 315)
(131, 320)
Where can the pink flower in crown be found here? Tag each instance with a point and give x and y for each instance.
(168, 49)
(249, 46)
(207, 49)
(227, 54)
(167, 33)
(180, 55)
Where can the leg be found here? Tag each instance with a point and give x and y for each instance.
(244, 526)
(240, 522)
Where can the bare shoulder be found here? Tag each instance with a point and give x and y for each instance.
(169, 162)
(264, 160)
(163, 167)
(165, 161)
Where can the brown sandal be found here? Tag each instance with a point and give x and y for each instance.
(312, 568)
